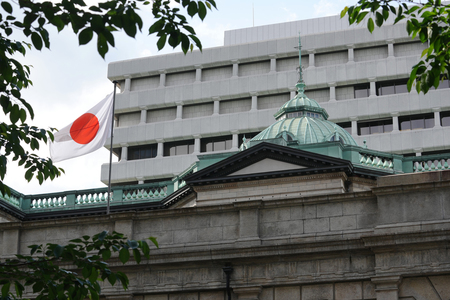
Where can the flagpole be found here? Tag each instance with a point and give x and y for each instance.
(111, 149)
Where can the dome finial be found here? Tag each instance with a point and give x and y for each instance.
(301, 84)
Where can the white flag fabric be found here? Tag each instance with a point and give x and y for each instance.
(84, 135)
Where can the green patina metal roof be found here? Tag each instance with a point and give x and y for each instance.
(303, 120)
(306, 130)
(301, 103)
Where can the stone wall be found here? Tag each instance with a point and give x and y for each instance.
(390, 242)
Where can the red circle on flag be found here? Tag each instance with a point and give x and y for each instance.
(84, 129)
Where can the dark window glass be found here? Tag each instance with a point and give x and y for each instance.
(216, 143)
(362, 90)
(443, 84)
(392, 87)
(445, 118)
(346, 125)
(416, 121)
(179, 148)
(374, 127)
(142, 152)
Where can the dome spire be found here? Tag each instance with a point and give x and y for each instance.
(301, 83)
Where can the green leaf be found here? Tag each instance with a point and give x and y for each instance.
(154, 241)
(5, 289)
(102, 235)
(7, 7)
(137, 255)
(379, 19)
(124, 255)
(192, 8)
(85, 36)
(370, 25)
(344, 11)
(201, 10)
(58, 250)
(161, 42)
(37, 41)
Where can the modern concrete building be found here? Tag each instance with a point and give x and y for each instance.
(173, 107)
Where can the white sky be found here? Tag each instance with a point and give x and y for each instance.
(69, 79)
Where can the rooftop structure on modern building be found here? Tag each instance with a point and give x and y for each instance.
(173, 107)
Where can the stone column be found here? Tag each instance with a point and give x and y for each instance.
(332, 86)
(390, 44)
(248, 292)
(124, 154)
(127, 87)
(10, 242)
(162, 78)
(179, 111)
(373, 87)
(386, 287)
(248, 223)
(312, 63)
(273, 63)
(351, 54)
(196, 144)
(216, 105)
(235, 68)
(354, 121)
(143, 115)
(235, 141)
(437, 117)
(395, 125)
(198, 73)
(160, 149)
(254, 101)
(293, 92)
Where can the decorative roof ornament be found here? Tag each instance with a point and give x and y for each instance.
(302, 120)
(301, 83)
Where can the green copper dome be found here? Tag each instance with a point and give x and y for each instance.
(306, 130)
(300, 103)
(304, 121)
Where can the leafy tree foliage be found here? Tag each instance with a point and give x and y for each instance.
(99, 21)
(429, 21)
(45, 272)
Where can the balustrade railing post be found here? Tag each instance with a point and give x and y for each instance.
(117, 196)
(70, 200)
(398, 164)
(25, 204)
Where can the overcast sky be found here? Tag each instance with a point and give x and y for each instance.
(69, 79)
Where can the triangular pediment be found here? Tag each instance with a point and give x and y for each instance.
(268, 160)
(267, 165)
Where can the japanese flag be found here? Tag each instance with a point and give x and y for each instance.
(86, 134)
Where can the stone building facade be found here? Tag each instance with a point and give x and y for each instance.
(323, 231)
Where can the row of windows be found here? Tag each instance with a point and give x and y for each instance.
(212, 144)
(390, 87)
(413, 122)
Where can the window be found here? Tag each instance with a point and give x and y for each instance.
(179, 148)
(362, 90)
(142, 152)
(347, 126)
(216, 143)
(374, 127)
(392, 87)
(416, 121)
(445, 118)
(443, 84)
